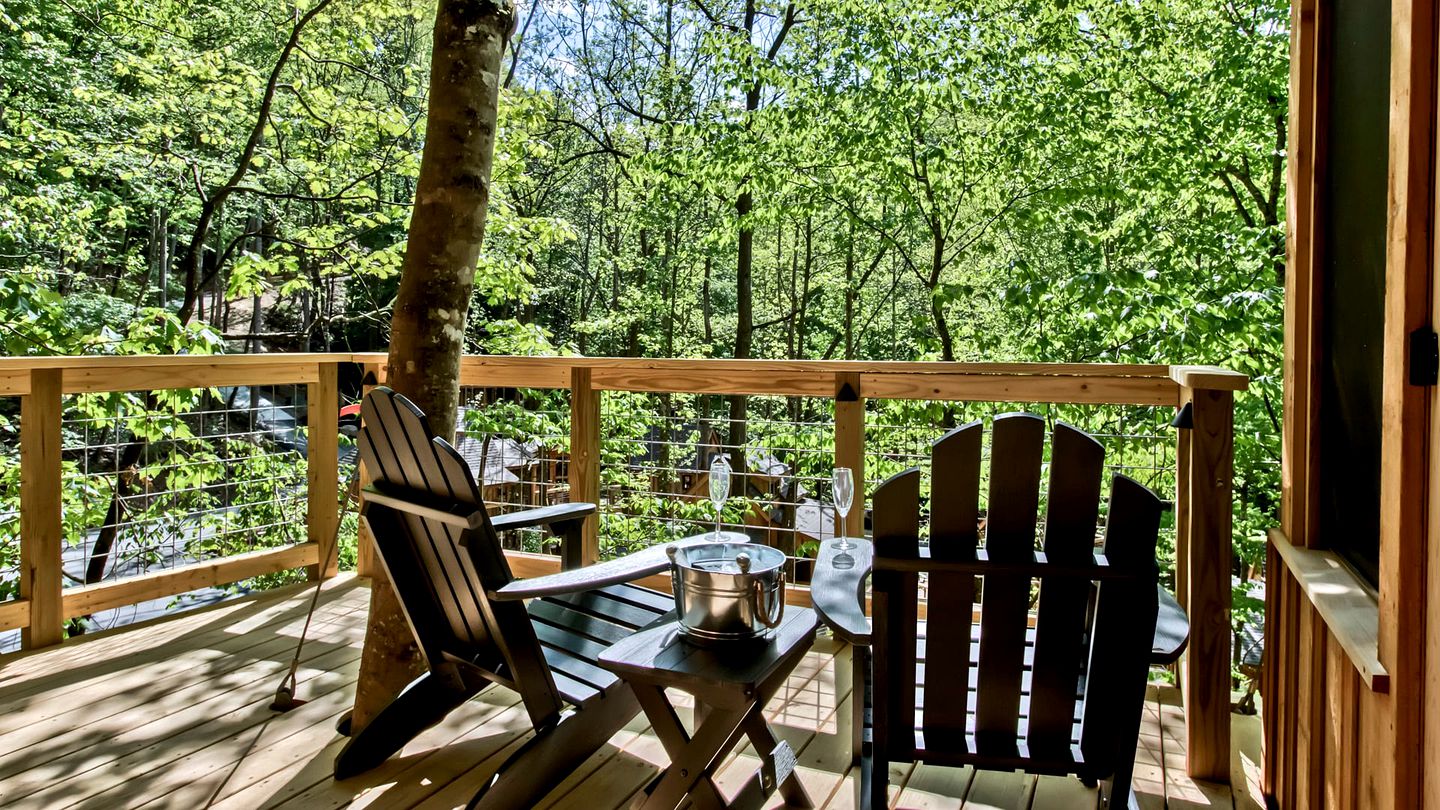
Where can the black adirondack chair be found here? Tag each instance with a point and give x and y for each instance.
(442, 553)
(1063, 697)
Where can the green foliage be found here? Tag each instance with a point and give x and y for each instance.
(1081, 181)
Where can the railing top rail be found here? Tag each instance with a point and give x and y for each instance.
(106, 373)
(828, 366)
(1118, 382)
(29, 362)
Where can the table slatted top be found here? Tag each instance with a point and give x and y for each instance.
(663, 657)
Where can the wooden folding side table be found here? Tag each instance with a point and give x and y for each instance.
(732, 683)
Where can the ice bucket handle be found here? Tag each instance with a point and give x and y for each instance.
(762, 612)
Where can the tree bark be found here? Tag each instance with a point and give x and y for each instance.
(850, 294)
(438, 275)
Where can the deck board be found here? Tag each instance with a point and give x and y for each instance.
(175, 713)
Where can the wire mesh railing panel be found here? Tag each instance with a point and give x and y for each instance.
(155, 480)
(517, 445)
(656, 456)
(9, 500)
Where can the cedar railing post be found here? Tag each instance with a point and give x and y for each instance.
(850, 444)
(41, 529)
(366, 563)
(850, 452)
(1203, 550)
(584, 465)
(322, 469)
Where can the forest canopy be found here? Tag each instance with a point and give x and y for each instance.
(978, 180)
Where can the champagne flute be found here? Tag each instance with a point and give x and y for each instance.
(719, 488)
(843, 481)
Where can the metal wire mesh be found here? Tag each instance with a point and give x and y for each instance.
(655, 470)
(517, 444)
(657, 451)
(156, 480)
(9, 499)
(153, 480)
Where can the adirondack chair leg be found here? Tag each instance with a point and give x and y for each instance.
(1117, 792)
(872, 788)
(537, 767)
(860, 699)
(424, 703)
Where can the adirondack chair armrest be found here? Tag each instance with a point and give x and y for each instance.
(1172, 630)
(643, 563)
(551, 517)
(837, 590)
(460, 516)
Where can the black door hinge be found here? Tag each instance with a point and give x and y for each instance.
(1424, 357)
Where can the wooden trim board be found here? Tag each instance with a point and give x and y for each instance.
(1213, 378)
(14, 613)
(1349, 606)
(89, 599)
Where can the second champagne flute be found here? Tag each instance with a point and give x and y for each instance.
(719, 488)
(843, 482)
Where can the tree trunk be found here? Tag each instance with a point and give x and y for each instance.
(850, 294)
(438, 275)
(744, 329)
(937, 304)
(704, 308)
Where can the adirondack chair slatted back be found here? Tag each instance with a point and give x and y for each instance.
(1017, 444)
(1077, 463)
(441, 571)
(954, 534)
(895, 595)
(1026, 682)
(1124, 610)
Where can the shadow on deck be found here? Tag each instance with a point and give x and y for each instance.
(175, 713)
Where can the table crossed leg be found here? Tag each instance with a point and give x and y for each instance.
(694, 760)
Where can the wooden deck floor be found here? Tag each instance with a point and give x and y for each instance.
(175, 713)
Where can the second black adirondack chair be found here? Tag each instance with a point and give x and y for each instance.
(441, 551)
(1063, 697)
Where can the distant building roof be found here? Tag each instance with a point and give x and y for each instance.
(501, 457)
(815, 519)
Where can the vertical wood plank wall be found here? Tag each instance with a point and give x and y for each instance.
(1330, 741)
(1319, 715)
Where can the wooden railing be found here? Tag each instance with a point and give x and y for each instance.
(1204, 450)
(45, 604)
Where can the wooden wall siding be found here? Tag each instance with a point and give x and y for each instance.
(1317, 710)
(1303, 246)
(1330, 739)
(1405, 629)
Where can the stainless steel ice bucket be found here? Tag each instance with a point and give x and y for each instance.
(727, 591)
